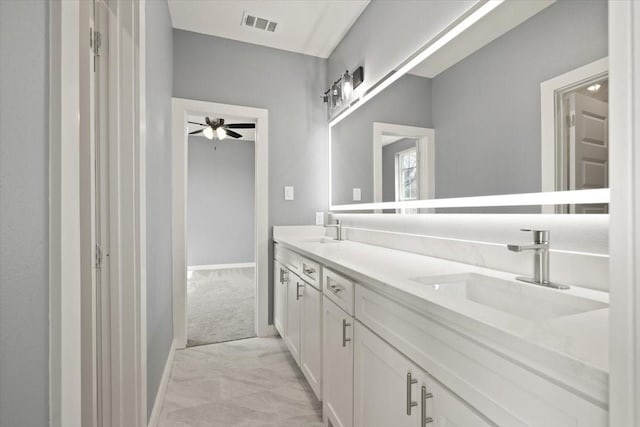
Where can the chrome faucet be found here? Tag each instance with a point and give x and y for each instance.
(540, 247)
(338, 227)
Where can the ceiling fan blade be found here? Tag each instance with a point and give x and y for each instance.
(232, 133)
(196, 123)
(240, 126)
(196, 132)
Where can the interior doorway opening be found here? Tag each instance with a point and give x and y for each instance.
(183, 112)
(221, 290)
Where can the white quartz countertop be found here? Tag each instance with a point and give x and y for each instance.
(572, 349)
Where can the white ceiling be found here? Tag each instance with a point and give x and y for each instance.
(313, 27)
(247, 134)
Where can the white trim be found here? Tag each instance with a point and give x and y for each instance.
(426, 150)
(220, 266)
(65, 344)
(181, 109)
(154, 419)
(548, 114)
(624, 269)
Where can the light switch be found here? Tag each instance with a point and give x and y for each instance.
(288, 193)
(319, 218)
(356, 195)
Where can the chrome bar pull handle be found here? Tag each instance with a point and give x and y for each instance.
(410, 403)
(345, 340)
(298, 286)
(423, 411)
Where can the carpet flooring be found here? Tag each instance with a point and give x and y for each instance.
(220, 305)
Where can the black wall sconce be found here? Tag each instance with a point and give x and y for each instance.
(343, 88)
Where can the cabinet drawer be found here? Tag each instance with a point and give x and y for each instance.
(339, 289)
(288, 258)
(310, 272)
(496, 385)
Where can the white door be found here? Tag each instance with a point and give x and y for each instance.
(445, 409)
(280, 281)
(337, 349)
(588, 147)
(311, 338)
(386, 384)
(295, 288)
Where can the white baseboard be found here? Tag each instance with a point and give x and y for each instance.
(154, 419)
(220, 266)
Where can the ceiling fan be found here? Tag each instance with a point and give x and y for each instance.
(218, 128)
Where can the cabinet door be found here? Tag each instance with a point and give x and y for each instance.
(386, 384)
(280, 281)
(337, 350)
(311, 338)
(295, 288)
(445, 409)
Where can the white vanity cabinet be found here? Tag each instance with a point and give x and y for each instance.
(390, 390)
(280, 283)
(337, 346)
(294, 311)
(311, 338)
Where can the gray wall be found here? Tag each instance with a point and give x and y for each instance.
(220, 202)
(496, 91)
(289, 85)
(387, 32)
(389, 166)
(159, 64)
(24, 213)
(406, 102)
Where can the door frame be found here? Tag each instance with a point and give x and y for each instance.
(549, 114)
(72, 304)
(181, 109)
(624, 208)
(426, 156)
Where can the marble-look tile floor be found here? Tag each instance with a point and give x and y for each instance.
(252, 382)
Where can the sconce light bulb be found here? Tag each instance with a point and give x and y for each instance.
(208, 132)
(347, 85)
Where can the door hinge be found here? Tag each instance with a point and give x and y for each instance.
(98, 256)
(95, 41)
(571, 119)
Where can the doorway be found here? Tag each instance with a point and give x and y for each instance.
(185, 110)
(221, 291)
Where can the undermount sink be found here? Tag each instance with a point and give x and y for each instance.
(319, 240)
(519, 299)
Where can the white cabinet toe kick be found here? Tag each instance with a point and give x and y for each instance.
(375, 361)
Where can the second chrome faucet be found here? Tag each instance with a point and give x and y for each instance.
(540, 246)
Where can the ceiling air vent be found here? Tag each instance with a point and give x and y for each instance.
(249, 20)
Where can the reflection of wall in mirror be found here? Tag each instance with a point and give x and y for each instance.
(486, 108)
(406, 102)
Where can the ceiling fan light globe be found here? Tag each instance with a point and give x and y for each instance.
(222, 134)
(208, 132)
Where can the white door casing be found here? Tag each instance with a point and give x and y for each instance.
(426, 156)
(181, 109)
(588, 148)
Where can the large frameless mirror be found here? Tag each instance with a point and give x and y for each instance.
(521, 109)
